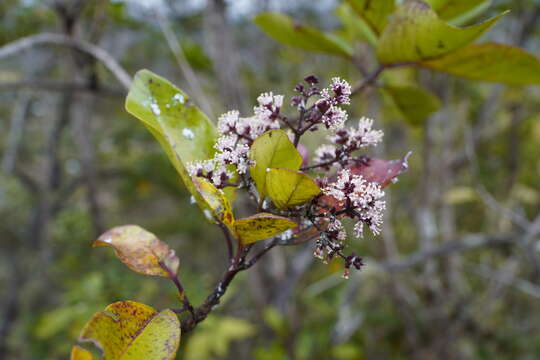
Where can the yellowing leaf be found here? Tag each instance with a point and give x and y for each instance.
(415, 33)
(490, 62)
(272, 149)
(128, 330)
(78, 353)
(183, 130)
(140, 250)
(281, 28)
(289, 188)
(261, 226)
(220, 208)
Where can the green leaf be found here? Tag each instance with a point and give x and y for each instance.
(78, 353)
(490, 62)
(127, 330)
(373, 12)
(140, 250)
(215, 338)
(183, 130)
(273, 149)
(414, 103)
(261, 226)
(289, 188)
(415, 33)
(282, 29)
(458, 11)
(220, 208)
(355, 27)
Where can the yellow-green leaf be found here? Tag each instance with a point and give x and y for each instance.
(282, 28)
(373, 12)
(78, 353)
(490, 62)
(289, 188)
(413, 103)
(458, 11)
(261, 226)
(355, 27)
(183, 130)
(220, 208)
(272, 149)
(415, 33)
(128, 330)
(140, 250)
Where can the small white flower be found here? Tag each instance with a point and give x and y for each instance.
(228, 122)
(324, 153)
(334, 118)
(367, 135)
(357, 138)
(359, 229)
(265, 99)
(338, 93)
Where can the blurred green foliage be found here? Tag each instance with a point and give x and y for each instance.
(62, 282)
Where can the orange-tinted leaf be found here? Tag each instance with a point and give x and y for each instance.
(140, 250)
(261, 226)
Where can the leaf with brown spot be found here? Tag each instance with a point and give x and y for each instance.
(490, 62)
(415, 33)
(261, 226)
(127, 330)
(78, 353)
(140, 250)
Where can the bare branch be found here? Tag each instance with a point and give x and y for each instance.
(468, 242)
(58, 39)
(186, 69)
(60, 86)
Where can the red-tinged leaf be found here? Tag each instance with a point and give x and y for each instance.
(380, 171)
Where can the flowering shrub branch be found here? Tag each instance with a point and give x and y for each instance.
(263, 156)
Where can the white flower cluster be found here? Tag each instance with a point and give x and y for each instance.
(356, 138)
(364, 198)
(334, 118)
(236, 135)
(338, 93)
(348, 140)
